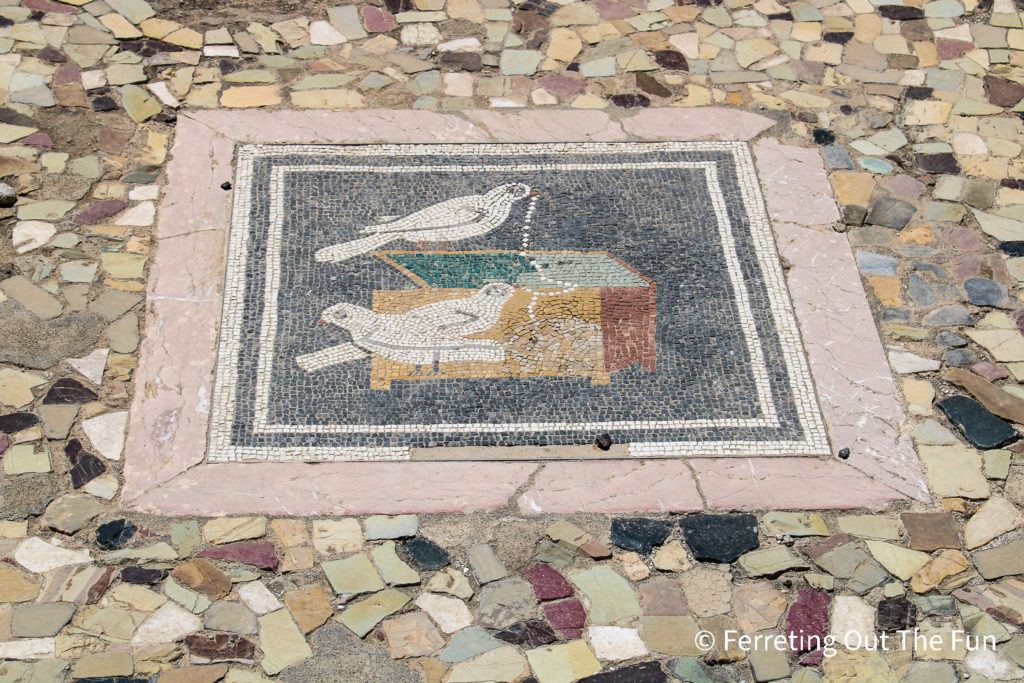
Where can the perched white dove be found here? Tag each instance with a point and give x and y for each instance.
(426, 335)
(453, 219)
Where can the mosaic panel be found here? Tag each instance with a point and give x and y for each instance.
(383, 298)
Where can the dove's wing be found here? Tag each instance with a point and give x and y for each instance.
(447, 214)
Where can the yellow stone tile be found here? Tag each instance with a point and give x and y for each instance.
(251, 96)
(158, 28)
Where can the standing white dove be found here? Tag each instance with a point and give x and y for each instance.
(426, 335)
(453, 219)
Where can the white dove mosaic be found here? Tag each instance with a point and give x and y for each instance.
(394, 301)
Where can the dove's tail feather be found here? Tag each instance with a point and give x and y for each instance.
(347, 250)
(332, 355)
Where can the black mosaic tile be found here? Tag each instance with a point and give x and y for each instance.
(426, 554)
(640, 534)
(645, 672)
(528, 634)
(896, 614)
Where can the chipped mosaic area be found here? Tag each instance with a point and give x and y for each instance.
(381, 298)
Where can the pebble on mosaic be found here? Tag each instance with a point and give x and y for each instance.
(916, 111)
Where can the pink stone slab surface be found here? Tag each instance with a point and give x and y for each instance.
(795, 184)
(612, 486)
(164, 468)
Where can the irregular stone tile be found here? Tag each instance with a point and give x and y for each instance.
(451, 582)
(258, 598)
(995, 517)
(979, 426)
(720, 538)
(616, 643)
(708, 590)
(233, 617)
(260, 555)
(158, 552)
(282, 642)
(191, 600)
(770, 561)
(103, 664)
(610, 596)
(412, 635)
(15, 585)
(769, 662)
(485, 563)
(57, 420)
(563, 662)
(673, 636)
(691, 669)
(469, 642)
(528, 634)
(506, 602)
(995, 399)
(230, 529)
(930, 531)
(290, 532)
(451, 614)
(114, 534)
(363, 615)
(899, 561)
(890, 213)
(310, 607)
(724, 650)
(203, 577)
(671, 557)
(68, 390)
(948, 563)
(567, 617)
(807, 622)
(584, 543)
(194, 674)
(38, 556)
(379, 527)
(954, 471)
(78, 584)
(757, 606)
(166, 625)
(662, 597)
(1005, 560)
(639, 534)
(70, 513)
(331, 537)
(142, 575)
(425, 554)
(794, 524)
(870, 526)
(40, 621)
(353, 575)
(501, 664)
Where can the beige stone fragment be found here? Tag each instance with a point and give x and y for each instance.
(919, 395)
(634, 567)
(708, 590)
(671, 557)
(334, 536)
(251, 96)
(954, 471)
(947, 563)
(231, 529)
(898, 561)
(994, 518)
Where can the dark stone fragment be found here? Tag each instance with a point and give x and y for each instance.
(260, 555)
(894, 314)
(670, 59)
(853, 215)
(780, 16)
(645, 672)
(462, 61)
(891, 213)
(142, 174)
(943, 162)
(979, 426)
(15, 118)
(807, 621)
(395, 6)
(15, 422)
(900, 12)
(984, 292)
(805, 116)
(896, 614)
(649, 84)
(68, 390)
(822, 136)
(917, 30)
(719, 538)
(220, 646)
(226, 185)
(142, 575)
(547, 583)
(104, 103)
(960, 358)
(604, 442)
(1003, 93)
(929, 531)
(630, 100)
(844, 453)
(528, 634)
(27, 494)
(837, 37)
(104, 208)
(1013, 183)
(567, 617)
(114, 534)
(918, 92)
(5, 22)
(1014, 248)
(51, 55)
(845, 109)
(227, 67)
(426, 554)
(166, 117)
(640, 534)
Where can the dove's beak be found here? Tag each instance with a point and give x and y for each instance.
(534, 193)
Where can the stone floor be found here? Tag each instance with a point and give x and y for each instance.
(887, 144)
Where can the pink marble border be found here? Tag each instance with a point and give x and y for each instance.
(164, 468)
